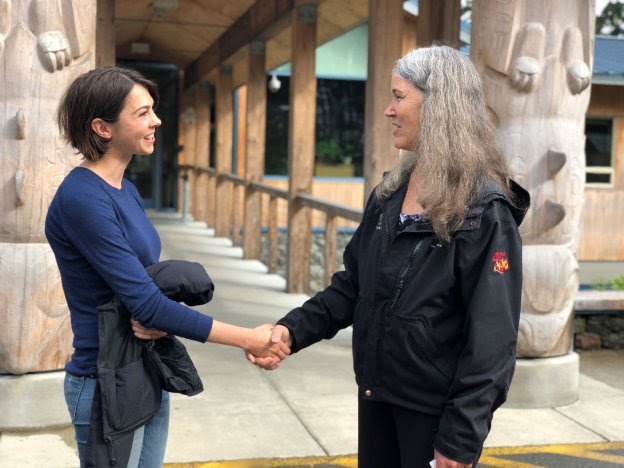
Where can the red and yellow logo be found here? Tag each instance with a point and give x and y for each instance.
(501, 265)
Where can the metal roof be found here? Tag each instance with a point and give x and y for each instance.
(608, 60)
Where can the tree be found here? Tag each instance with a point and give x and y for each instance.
(611, 21)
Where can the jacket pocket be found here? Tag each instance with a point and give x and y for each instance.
(423, 338)
(130, 395)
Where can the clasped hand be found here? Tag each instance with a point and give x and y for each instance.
(279, 336)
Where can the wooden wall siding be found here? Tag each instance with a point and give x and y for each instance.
(346, 192)
(606, 101)
(618, 152)
(603, 225)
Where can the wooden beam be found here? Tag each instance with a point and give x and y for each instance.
(385, 24)
(438, 22)
(301, 138)
(105, 33)
(254, 157)
(223, 154)
(202, 148)
(262, 17)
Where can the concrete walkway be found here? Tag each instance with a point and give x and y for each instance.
(308, 406)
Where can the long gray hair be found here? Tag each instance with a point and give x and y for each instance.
(456, 149)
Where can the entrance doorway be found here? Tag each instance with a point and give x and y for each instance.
(155, 176)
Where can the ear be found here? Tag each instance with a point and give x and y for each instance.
(101, 128)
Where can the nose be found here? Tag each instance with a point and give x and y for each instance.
(389, 112)
(156, 121)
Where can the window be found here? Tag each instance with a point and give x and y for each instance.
(598, 144)
(339, 146)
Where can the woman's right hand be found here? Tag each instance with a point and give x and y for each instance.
(260, 344)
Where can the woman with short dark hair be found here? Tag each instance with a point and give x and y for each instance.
(102, 241)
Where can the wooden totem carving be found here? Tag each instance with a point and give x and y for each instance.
(44, 45)
(535, 59)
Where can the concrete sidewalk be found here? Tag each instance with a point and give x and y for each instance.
(308, 406)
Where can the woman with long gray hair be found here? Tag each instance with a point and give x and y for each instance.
(432, 278)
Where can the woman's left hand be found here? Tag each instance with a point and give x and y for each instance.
(145, 333)
(444, 462)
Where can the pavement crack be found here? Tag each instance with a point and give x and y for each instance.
(285, 400)
(582, 425)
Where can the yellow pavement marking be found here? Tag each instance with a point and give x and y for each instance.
(491, 456)
(504, 463)
(347, 461)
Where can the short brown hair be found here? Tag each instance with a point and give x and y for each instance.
(99, 93)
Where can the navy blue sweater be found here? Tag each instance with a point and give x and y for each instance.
(102, 241)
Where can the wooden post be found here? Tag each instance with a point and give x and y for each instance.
(273, 235)
(536, 61)
(105, 33)
(202, 147)
(44, 46)
(189, 115)
(410, 32)
(331, 224)
(254, 158)
(223, 156)
(438, 22)
(301, 138)
(385, 24)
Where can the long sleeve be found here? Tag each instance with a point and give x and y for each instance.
(92, 225)
(489, 269)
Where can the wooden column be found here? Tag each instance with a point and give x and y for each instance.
(190, 139)
(410, 32)
(438, 22)
(301, 137)
(254, 157)
(223, 155)
(202, 147)
(181, 137)
(105, 33)
(385, 24)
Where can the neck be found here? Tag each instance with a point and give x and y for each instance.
(109, 168)
(411, 203)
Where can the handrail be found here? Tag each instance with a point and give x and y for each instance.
(232, 178)
(269, 190)
(331, 208)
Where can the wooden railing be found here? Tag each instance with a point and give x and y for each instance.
(239, 189)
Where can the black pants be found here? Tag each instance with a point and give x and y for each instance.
(393, 437)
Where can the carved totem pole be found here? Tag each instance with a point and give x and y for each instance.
(535, 59)
(44, 45)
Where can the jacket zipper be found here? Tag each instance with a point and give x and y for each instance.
(404, 273)
(109, 439)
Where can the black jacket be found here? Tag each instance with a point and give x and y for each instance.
(434, 325)
(132, 373)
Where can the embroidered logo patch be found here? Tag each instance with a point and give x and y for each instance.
(501, 265)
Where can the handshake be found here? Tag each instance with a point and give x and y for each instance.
(268, 346)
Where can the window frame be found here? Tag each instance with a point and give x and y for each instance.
(601, 169)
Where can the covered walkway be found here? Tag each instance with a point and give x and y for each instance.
(307, 409)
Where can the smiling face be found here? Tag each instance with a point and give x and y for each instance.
(404, 112)
(134, 130)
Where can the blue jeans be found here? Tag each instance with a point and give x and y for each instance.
(150, 440)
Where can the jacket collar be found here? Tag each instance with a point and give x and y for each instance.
(491, 191)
